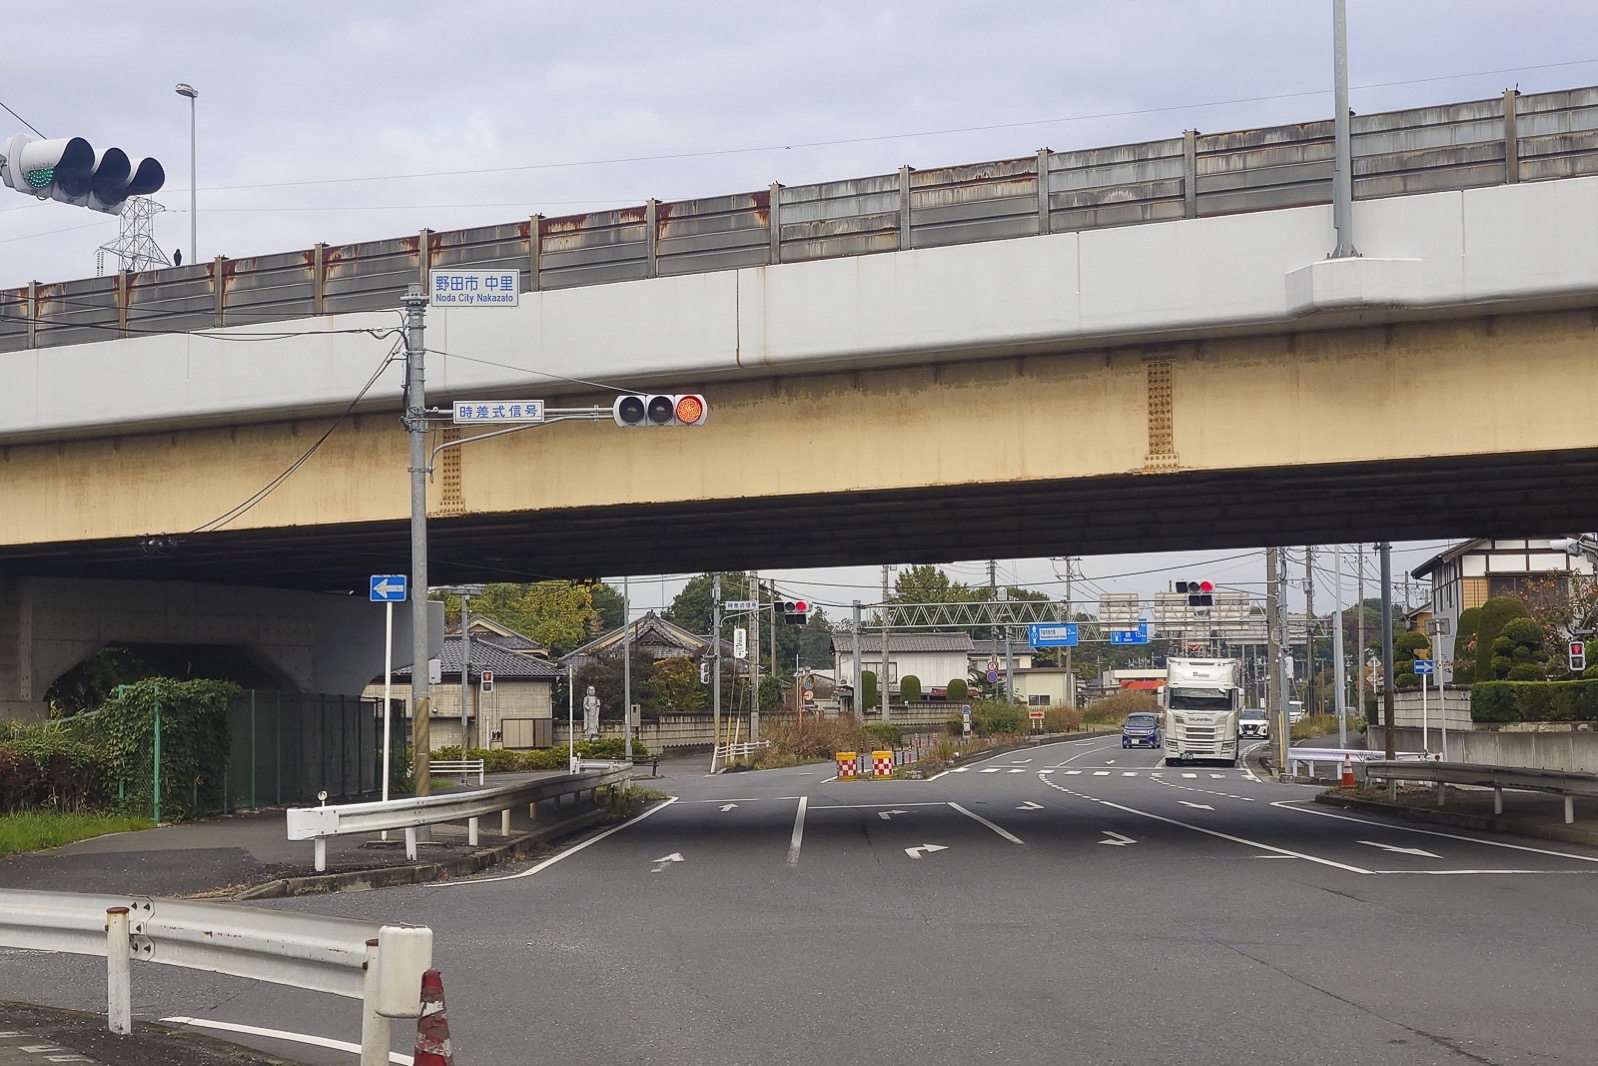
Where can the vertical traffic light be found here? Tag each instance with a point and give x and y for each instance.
(70, 170)
(1578, 656)
(639, 409)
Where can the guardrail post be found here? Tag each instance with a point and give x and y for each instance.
(774, 224)
(1442, 791)
(1392, 790)
(1570, 809)
(471, 831)
(118, 971)
(504, 822)
(321, 854)
(904, 208)
(374, 1027)
(410, 843)
(1498, 799)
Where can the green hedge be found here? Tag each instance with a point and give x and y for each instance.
(1534, 701)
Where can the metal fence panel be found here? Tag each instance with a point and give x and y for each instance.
(78, 312)
(270, 288)
(975, 202)
(855, 217)
(370, 276)
(592, 249)
(13, 319)
(715, 233)
(1120, 186)
(172, 300)
(503, 247)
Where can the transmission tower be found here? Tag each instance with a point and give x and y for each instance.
(135, 246)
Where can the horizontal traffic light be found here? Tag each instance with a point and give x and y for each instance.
(794, 612)
(1199, 593)
(641, 409)
(70, 170)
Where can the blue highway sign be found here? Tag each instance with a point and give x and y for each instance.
(1052, 635)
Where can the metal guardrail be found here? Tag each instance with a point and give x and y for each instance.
(1497, 778)
(319, 823)
(467, 767)
(379, 964)
(1336, 756)
(723, 754)
(1536, 137)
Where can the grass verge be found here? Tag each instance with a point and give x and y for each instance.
(36, 830)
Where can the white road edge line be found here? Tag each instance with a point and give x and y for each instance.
(280, 1034)
(1292, 805)
(553, 859)
(1011, 837)
(798, 831)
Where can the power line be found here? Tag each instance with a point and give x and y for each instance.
(20, 119)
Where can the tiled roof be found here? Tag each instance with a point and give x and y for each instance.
(904, 642)
(488, 654)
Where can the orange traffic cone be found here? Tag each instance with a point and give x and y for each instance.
(432, 1028)
(1348, 772)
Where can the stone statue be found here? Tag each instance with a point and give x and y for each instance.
(590, 715)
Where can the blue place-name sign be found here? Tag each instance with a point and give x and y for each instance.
(1140, 635)
(1052, 635)
(388, 588)
(1425, 666)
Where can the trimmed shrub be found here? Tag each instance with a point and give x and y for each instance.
(1495, 614)
(1525, 672)
(1534, 701)
(868, 691)
(1465, 646)
(884, 736)
(958, 689)
(910, 688)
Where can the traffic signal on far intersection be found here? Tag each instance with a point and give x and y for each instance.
(794, 612)
(640, 409)
(1578, 656)
(1199, 593)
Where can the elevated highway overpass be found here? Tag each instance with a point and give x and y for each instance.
(1142, 347)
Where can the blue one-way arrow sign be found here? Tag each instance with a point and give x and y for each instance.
(388, 588)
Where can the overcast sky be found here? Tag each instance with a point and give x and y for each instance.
(351, 121)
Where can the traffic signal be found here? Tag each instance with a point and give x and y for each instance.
(1578, 656)
(794, 612)
(704, 671)
(70, 170)
(639, 409)
(1199, 593)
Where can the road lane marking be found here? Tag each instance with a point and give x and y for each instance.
(887, 816)
(1089, 751)
(666, 860)
(725, 807)
(1018, 769)
(922, 849)
(1011, 837)
(1101, 773)
(280, 1034)
(553, 859)
(1128, 773)
(1579, 873)
(1200, 806)
(992, 769)
(1190, 775)
(1070, 772)
(1293, 805)
(798, 831)
(1402, 851)
(1283, 852)
(1120, 840)
(875, 806)
(1030, 806)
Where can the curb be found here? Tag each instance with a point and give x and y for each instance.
(1486, 823)
(419, 873)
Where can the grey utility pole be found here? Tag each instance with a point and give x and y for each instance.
(1339, 702)
(859, 689)
(1359, 631)
(1309, 630)
(884, 684)
(466, 670)
(415, 303)
(1387, 646)
(1342, 147)
(754, 659)
(627, 666)
(1275, 708)
(715, 679)
(1070, 616)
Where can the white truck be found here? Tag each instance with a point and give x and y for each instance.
(1202, 698)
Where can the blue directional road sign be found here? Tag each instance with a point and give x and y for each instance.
(1052, 635)
(1140, 635)
(1425, 666)
(388, 588)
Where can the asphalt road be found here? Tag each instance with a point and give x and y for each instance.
(1075, 903)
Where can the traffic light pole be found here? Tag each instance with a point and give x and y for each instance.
(415, 303)
(715, 680)
(1386, 548)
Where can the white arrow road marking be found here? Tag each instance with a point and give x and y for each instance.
(725, 807)
(1109, 762)
(1030, 806)
(666, 860)
(1011, 837)
(1118, 839)
(1200, 806)
(888, 815)
(1402, 851)
(917, 852)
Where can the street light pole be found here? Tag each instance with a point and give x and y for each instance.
(415, 304)
(185, 89)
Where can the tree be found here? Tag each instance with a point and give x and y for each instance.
(1563, 605)
(1407, 647)
(676, 687)
(1465, 646)
(609, 681)
(1518, 653)
(868, 691)
(610, 606)
(691, 608)
(1495, 614)
(559, 614)
(770, 693)
(909, 688)
(925, 583)
(958, 689)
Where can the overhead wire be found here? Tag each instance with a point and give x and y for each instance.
(239, 510)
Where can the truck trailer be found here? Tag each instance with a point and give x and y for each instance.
(1202, 698)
